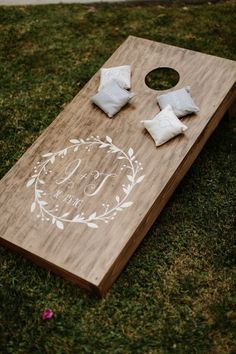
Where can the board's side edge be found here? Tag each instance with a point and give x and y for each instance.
(166, 194)
(149, 41)
(82, 283)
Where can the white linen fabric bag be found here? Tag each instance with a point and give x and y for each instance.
(164, 126)
(112, 98)
(121, 74)
(180, 101)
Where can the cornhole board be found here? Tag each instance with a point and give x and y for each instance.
(84, 195)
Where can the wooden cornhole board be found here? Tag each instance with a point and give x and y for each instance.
(83, 197)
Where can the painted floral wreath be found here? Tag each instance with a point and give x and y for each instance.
(109, 213)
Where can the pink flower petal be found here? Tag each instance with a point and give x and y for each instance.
(47, 314)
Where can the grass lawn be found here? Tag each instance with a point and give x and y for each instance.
(177, 294)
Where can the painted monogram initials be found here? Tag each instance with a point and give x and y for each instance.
(101, 178)
(69, 171)
(60, 195)
(94, 181)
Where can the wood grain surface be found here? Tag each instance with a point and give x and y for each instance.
(81, 207)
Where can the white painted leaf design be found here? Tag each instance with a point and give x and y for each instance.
(128, 188)
(92, 216)
(74, 141)
(119, 209)
(121, 158)
(108, 139)
(52, 159)
(76, 148)
(64, 215)
(60, 225)
(33, 205)
(130, 178)
(139, 180)
(47, 155)
(117, 199)
(103, 146)
(38, 192)
(76, 218)
(130, 152)
(30, 182)
(92, 225)
(42, 202)
(126, 205)
(41, 181)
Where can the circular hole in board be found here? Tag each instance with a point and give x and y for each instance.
(162, 78)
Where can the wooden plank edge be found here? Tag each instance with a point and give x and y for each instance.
(166, 194)
(41, 262)
(232, 110)
(177, 47)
